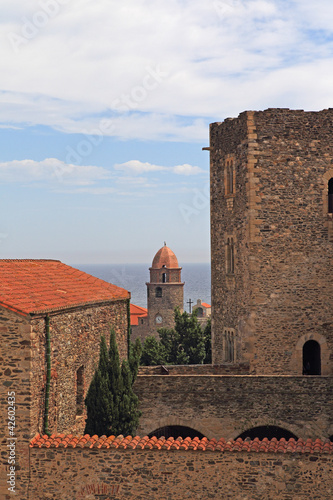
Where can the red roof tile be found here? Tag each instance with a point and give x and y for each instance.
(35, 286)
(165, 257)
(206, 305)
(204, 444)
(136, 313)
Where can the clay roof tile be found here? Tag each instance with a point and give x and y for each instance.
(146, 443)
(30, 286)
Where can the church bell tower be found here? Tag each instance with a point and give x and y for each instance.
(165, 290)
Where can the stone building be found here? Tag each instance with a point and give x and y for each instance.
(51, 320)
(165, 292)
(272, 287)
(272, 241)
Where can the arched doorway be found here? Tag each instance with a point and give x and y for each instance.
(267, 431)
(311, 358)
(176, 431)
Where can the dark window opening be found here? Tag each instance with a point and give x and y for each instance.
(330, 196)
(176, 431)
(311, 358)
(200, 312)
(267, 431)
(331, 438)
(164, 278)
(79, 390)
(158, 292)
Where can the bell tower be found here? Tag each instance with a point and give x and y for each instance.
(165, 290)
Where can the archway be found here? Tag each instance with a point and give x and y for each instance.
(267, 431)
(176, 431)
(311, 358)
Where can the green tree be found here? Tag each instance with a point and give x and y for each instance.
(112, 406)
(191, 336)
(153, 352)
(186, 343)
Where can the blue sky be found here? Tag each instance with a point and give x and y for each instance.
(105, 108)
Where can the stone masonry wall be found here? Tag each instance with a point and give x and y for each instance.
(172, 296)
(230, 291)
(175, 475)
(292, 275)
(75, 340)
(279, 295)
(227, 405)
(15, 378)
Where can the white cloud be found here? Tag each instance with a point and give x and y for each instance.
(173, 65)
(138, 167)
(50, 170)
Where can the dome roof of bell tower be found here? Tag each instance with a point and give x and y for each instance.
(165, 258)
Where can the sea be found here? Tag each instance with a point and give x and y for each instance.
(133, 277)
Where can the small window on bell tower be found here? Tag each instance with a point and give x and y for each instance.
(158, 292)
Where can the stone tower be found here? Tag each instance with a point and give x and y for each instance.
(272, 241)
(165, 290)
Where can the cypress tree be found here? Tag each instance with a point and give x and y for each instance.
(112, 406)
(99, 398)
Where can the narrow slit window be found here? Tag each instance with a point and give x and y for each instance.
(230, 253)
(330, 196)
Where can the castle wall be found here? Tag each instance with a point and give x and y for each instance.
(75, 341)
(227, 405)
(15, 401)
(279, 295)
(231, 292)
(121, 474)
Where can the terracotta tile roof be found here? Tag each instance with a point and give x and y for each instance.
(204, 444)
(165, 257)
(35, 286)
(136, 313)
(205, 304)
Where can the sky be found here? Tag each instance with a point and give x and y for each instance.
(106, 106)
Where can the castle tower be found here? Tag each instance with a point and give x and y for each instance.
(165, 291)
(272, 241)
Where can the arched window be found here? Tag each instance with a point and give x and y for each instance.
(80, 390)
(200, 312)
(158, 291)
(311, 358)
(330, 196)
(164, 278)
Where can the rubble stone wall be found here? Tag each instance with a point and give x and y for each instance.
(151, 474)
